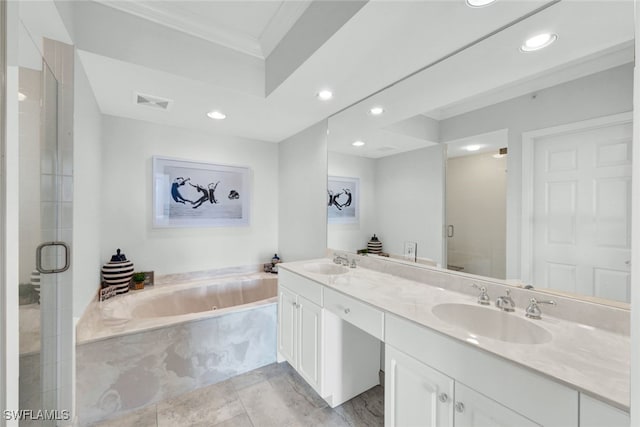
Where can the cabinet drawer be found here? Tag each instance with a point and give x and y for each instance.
(309, 289)
(359, 314)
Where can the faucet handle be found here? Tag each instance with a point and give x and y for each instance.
(483, 298)
(533, 310)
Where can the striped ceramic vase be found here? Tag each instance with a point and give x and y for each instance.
(118, 273)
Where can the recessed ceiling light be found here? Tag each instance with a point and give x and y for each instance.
(538, 42)
(376, 111)
(479, 3)
(358, 143)
(472, 147)
(21, 96)
(217, 115)
(325, 95)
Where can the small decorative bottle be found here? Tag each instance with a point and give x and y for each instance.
(274, 263)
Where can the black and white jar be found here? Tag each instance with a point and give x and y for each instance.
(374, 246)
(118, 273)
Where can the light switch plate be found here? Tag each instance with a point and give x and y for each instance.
(410, 251)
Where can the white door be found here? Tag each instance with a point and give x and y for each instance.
(415, 394)
(582, 211)
(473, 409)
(309, 341)
(287, 327)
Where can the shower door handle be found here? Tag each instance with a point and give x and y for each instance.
(450, 231)
(67, 258)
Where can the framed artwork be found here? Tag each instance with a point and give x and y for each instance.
(343, 196)
(196, 194)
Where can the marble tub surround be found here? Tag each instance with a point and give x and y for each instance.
(610, 317)
(176, 300)
(587, 357)
(173, 278)
(120, 374)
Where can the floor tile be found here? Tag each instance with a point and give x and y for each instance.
(204, 407)
(145, 417)
(366, 409)
(266, 407)
(239, 421)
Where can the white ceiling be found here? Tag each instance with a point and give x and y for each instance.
(593, 36)
(382, 42)
(251, 27)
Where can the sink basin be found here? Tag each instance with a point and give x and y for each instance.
(326, 269)
(493, 324)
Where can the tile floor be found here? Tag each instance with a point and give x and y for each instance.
(274, 395)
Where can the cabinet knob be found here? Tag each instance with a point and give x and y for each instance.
(443, 397)
(460, 407)
(347, 311)
(294, 304)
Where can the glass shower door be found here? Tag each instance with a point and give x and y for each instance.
(43, 257)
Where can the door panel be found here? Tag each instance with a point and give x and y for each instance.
(582, 211)
(309, 341)
(415, 394)
(287, 325)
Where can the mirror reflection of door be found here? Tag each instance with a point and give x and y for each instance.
(581, 213)
(476, 194)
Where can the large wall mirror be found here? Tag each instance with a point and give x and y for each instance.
(500, 160)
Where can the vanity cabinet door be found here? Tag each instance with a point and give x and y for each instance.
(287, 325)
(415, 394)
(594, 413)
(473, 409)
(309, 341)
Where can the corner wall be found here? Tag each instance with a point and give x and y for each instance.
(87, 164)
(125, 198)
(303, 194)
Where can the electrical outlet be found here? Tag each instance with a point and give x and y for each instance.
(410, 251)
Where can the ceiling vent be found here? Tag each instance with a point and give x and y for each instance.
(152, 101)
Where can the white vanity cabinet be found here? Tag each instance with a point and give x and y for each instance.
(594, 413)
(337, 359)
(488, 389)
(300, 327)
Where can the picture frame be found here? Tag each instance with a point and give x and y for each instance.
(148, 278)
(197, 194)
(343, 200)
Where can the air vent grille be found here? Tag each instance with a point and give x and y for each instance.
(153, 101)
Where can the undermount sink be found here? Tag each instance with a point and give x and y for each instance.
(326, 269)
(493, 324)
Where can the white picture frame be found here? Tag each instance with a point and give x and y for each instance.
(197, 194)
(343, 200)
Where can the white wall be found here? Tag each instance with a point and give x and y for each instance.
(476, 207)
(410, 201)
(351, 237)
(601, 94)
(303, 194)
(87, 130)
(125, 198)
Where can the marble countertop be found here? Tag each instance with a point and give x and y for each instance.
(591, 360)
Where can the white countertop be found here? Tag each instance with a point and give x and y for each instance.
(588, 359)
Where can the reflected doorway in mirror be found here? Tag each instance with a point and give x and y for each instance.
(343, 195)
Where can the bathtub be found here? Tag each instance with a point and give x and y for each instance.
(166, 340)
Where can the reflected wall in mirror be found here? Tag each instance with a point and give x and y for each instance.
(502, 163)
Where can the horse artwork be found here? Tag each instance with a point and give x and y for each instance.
(343, 200)
(194, 194)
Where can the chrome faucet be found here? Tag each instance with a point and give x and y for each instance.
(506, 303)
(337, 259)
(533, 310)
(483, 298)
